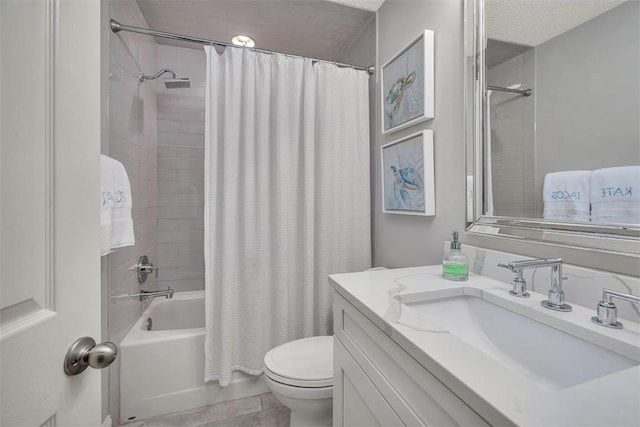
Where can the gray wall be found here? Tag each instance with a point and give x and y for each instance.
(402, 240)
(588, 95)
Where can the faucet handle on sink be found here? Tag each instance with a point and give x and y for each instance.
(519, 284)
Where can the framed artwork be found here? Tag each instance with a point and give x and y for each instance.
(408, 175)
(407, 85)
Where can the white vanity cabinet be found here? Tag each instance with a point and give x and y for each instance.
(376, 382)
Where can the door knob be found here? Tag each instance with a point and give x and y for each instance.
(84, 352)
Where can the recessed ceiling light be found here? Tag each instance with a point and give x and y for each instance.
(244, 41)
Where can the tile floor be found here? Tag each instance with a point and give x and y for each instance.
(253, 411)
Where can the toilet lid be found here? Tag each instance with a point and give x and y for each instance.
(306, 362)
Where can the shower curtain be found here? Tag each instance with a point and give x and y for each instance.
(287, 200)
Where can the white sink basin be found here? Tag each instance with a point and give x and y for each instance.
(547, 356)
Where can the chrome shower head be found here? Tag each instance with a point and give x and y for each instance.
(177, 83)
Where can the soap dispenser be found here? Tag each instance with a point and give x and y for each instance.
(454, 263)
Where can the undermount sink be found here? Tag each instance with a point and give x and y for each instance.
(551, 358)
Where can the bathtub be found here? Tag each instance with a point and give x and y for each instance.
(162, 370)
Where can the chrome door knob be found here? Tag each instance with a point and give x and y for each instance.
(84, 353)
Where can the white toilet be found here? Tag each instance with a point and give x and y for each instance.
(300, 375)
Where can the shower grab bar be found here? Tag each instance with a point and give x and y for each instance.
(523, 92)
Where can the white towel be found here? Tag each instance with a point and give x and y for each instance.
(116, 225)
(615, 195)
(566, 195)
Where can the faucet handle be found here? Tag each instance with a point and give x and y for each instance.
(519, 283)
(143, 268)
(507, 266)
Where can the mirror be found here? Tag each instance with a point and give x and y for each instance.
(553, 127)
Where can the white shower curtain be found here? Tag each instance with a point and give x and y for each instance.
(287, 200)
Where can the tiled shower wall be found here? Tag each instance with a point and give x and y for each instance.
(181, 172)
(513, 138)
(132, 141)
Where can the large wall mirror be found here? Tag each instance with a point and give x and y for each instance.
(553, 121)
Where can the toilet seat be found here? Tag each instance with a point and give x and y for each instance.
(307, 363)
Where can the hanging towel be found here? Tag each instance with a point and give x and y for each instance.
(615, 195)
(116, 225)
(566, 195)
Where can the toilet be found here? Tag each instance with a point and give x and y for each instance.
(300, 375)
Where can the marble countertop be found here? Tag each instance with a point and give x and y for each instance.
(498, 393)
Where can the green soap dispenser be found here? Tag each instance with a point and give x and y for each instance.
(454, 263)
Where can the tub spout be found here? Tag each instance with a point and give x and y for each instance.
(143, 295)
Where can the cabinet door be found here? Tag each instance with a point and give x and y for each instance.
(416, 396)
(356, 401)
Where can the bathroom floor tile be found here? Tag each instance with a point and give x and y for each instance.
(269, 401)
(273, 417)
(192, 417)
(252, 411)
(234, 408)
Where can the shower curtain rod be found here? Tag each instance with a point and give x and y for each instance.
(523, 92)
(117, 27)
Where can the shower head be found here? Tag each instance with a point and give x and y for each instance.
(175, 82)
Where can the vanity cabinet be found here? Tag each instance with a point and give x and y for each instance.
(376, 382)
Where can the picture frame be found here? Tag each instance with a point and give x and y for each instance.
(407, 85)
(408, 176)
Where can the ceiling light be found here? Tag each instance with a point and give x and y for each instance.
(244, 41)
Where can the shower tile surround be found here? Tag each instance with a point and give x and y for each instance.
(181, 172)
(132, 141)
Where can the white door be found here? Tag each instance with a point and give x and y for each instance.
(49, 217)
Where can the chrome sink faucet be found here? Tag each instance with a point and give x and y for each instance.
(607, 312)
(556, 294)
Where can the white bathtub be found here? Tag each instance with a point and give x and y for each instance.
(162, 370)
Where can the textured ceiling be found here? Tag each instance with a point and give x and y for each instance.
(312, 28)
(535, 21)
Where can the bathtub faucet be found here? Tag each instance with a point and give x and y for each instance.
(143, 295)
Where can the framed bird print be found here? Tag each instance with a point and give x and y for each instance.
(408, 175)
(407, 85)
